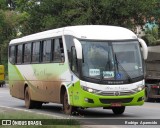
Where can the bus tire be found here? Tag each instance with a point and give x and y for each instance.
(68, 109)
(118, 110)
(28, 102)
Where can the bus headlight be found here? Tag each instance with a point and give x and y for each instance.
(140, 88)
(91, 90)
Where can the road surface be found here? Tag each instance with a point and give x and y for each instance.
(94, 116)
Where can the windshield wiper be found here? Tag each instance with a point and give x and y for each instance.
(118, 64)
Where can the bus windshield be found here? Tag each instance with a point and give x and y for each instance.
(111, 60)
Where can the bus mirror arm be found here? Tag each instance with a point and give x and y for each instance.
(144, 48)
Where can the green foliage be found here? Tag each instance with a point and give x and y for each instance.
(49, 14)
(25, 17)
(152, 35)
(3, 5)
(8, 30)
(153, 32)
(149, 39)
(157, 41)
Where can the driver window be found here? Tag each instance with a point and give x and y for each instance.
(74, 63)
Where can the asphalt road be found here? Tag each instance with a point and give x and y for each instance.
(94, 116)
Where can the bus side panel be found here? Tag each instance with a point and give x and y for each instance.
(44, 81)
(48, 80)
(35, 84)
(16, 82)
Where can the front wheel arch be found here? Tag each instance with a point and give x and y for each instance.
(63, 89)
(29, 103)
(25, 86)
(27, 97)
(67, 108)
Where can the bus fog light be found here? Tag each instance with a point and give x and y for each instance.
(140, 99)
(86, 99)
(143, 98)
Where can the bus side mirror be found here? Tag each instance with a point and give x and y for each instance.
(144, 48)
(78, 47)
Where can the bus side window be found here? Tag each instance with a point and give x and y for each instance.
(58, 55)
(12, 54)
(19, 54)
(27, 53)
(46, 56)
(69, 44)
(74, 62)
(36, 52)
(61, 49)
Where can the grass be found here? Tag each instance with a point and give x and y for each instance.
(47, 121)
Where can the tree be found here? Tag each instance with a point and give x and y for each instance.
(22, 17)
(8, 31)
(49, 14)
(126, 13)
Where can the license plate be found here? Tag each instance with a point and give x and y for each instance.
(116, 104)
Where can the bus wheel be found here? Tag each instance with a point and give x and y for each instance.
(28, 102)
(118, 110)
(68, 109)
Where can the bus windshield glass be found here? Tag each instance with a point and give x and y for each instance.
(111, 60)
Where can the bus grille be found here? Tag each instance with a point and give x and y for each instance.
(109, 101)
(121, 93)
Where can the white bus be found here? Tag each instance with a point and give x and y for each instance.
(80, 67)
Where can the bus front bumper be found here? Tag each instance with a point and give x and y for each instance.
(84, 99)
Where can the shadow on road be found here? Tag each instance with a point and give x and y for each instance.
(80, 113)
(56, 109)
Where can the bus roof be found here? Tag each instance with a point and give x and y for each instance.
(94, 32)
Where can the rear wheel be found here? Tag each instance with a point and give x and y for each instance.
(28, 102)
(118, 110)
(68, 109)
